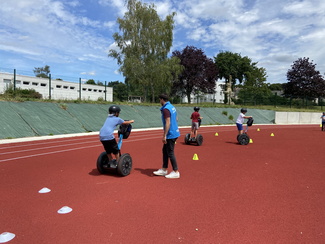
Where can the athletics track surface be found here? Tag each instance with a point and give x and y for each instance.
(269, 191)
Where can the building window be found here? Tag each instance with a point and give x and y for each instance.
(43, 84)
(58, 86)
(72, 87)
(84, 89)
(65, 87)
(26, 83)
(90, 89)
(34, 83)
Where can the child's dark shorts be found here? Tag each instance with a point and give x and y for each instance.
(239, 126)
(110, 146)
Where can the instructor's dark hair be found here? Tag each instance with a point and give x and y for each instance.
(196, 109)
(163, 97)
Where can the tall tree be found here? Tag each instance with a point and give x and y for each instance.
(42, 72)
(233, 67)
(304, 80)
(199, 73)
(120, 90)
(90, 82)
(143, 45)
(254, 87)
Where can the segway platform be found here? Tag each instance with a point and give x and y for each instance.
(121, 167)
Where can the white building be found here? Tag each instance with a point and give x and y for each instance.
(63, 90)
(217, 97)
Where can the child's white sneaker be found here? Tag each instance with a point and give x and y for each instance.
(161, 172)
(173, 175)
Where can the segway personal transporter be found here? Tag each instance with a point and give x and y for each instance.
(198, 140)
(244, 139)
(121, 167)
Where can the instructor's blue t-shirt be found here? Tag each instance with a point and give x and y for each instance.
(173, 130)
(106, 133)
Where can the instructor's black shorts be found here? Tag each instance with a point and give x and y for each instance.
(110, 146)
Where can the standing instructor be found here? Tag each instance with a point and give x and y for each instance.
(170, 135)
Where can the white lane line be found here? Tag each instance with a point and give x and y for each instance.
(46, 141)
(41, 148)
(67, 150)
(42, 154)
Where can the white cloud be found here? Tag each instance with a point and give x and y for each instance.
(77, 35)
(304, 8)
(92, 73)
(117, 4)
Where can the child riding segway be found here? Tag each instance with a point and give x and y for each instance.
(194, 137)
(242, 137)
(122, 163)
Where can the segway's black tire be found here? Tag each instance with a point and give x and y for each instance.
(238, 138)
(101, 161)
(243, 139)
(199, 140)
(124, 164)
(187, 139)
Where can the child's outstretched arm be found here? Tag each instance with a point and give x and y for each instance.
(126, 122)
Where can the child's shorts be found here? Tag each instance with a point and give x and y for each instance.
(110, 146)
(239, 126)
(195, 125)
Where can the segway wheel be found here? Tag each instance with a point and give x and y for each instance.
(199, 140)
(124, 165)
(187, 139)
(101, 161)
(243, 139)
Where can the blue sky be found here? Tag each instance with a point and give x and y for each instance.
(74, 37)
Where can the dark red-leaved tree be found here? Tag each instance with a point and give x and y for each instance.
(199, 73)
(304, 80)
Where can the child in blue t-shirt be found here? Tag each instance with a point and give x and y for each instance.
(323, 120)
(106, 133)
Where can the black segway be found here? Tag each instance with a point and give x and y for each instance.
(244, 139)
(198, 140)
(123, 166)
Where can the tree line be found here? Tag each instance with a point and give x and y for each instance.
(142, 52)
(144, 41)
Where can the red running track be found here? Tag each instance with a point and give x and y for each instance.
(269, 191)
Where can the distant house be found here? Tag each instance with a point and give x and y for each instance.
(217, 96)
(63, 90)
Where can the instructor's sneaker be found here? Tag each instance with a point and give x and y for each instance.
(173, 175)
(161, 172)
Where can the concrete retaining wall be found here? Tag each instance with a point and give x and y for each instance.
(297, 118)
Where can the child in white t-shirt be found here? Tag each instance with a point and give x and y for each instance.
(240, 120)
